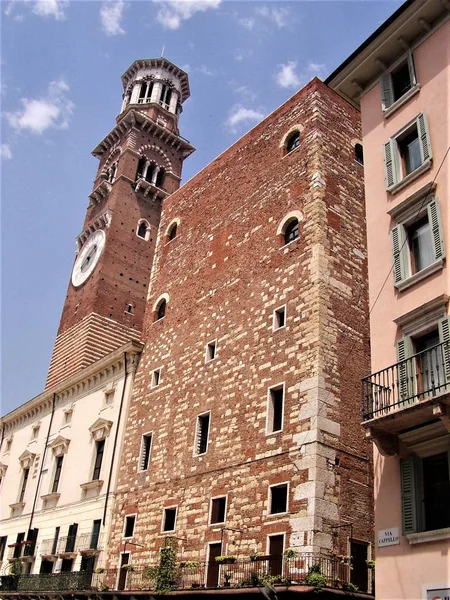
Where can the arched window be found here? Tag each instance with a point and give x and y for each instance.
(161, 310)
(291, 231)
(166, 95)
(143, 230)
(293, 141)
(111, 173)
(172, 232)
(141, 167)
(160, 177)
(145, 92)
(359, 154)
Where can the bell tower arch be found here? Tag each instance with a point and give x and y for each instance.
(140, 164)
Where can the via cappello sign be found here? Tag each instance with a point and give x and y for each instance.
(388, 537)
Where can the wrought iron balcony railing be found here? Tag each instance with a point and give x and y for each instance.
(420, 377)
(22, 550)
(66, 544)
(89, 541)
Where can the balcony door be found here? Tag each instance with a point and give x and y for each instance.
(124, 560)
(276, 547)
(212, 573)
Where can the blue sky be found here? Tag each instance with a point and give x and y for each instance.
(61, 65)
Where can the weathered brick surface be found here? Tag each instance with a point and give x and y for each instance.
(225, 273)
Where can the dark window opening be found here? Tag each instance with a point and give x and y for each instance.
(166, 95)
(359, 154)
(276, 547)
(409, 149)
(46, 566)
(218, 510)
(173, 232)
(95, 534)
(66, 565)
(293, 142)
(30, 548)
(436, 491)
(161, 310)
(276, 409)
(3, 540)
(145, 451)
(25, 475)
(279, 318)
(170, 515)
(278, 499)
(142, 230)
(100, 448)
(201, 442)
(211, 351)
(18, 548)
(156, 378)
(401, 80)
(160, 178)
(359, 572)
(130, 309)
(129, 526)
(291, 231)
(57, 477)
(141, 166)
(71, 537)
(55, 540)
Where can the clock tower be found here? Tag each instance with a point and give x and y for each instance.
(140, 164)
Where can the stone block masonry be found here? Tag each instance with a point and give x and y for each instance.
(224, 274)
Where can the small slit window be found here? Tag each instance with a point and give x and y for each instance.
(201, 434)
(293, 141)
(359, 155)
(143, 230)
(156, 378)
(146, 446)
(161, 310)
(211, 349)
(291, 232)
(275, 408)
(172, 232)
(279, 318)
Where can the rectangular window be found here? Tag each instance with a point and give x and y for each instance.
(201, 434)
(67, 417)
(35, 432)
(169, 520)
(278, 498)
(398, 81)
(146, 446)
(95, 533)
(417, 244)
(211, 349)
(99, 450)
(425, 485)
(3, 540)
(25, 475)
(57, 477)
(275, 409)
(218, 506)
(18, 547)
(55, 540)
(406, 152)
(71, 538)
(279, 318)
(128, 530)
(156, 378)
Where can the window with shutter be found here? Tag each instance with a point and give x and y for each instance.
(146, 446)
(406, 372)
(444, 338)
(201, 435)
(409, 515)
(397, 82)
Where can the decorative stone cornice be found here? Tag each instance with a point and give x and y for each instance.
(100, 429)
(103, 220)
(59, 446)
(100, 191)
(26, 459)
(156, 193)
(157, 63)
(3, 468)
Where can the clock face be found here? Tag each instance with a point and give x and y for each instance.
(88, 257)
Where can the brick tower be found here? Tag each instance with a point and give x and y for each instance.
(140, 165)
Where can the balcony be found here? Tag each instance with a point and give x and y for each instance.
(48, 549)
(89, 543)
(25, 551)
(412, 393)
(66, 546)
(150, 188)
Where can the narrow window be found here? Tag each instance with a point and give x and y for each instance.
(8, 445)
(142, 92)
(291, 231)
(35, 432)
(170, 516)
(71, 537)
(275, 409)
(293, 142)
(128, 530)
(141, 167)
(401, 80)
(201, 437)
(218, 510)
(55, 540)
(142, 230)
(279, 318)
(210, 351)
(359, 154)
(156, 378)
(95, 534)
(67, 417)
(100, 447)
(397, 82)
(161, 310)
(409, 149)
(3, 540)
(160, 178)
(130, 309)
(172, 232)
(146, 446)
(18, 547)
(420, 245)
(150, 171)
(278, 499)
(57, 477)
(25, 475)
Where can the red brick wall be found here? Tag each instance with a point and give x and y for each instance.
(225, 273)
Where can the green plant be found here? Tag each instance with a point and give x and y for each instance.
(151, 573)
(254, 555)
(168, 569)
(289, 554)
(315, 577)
(190, 564)
(226, 558)
(347, 586)
(102, 587)
(227, 576)
(127, 567)
(370, 564)
(99, 570)
(15, 568)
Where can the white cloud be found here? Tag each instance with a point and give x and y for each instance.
(286, 76)
(203, 69)
(241, 55)
(247, 23)
(51, 111)
(110, 16)
(5, 152)
(50, 8)
(239, 115)
(278, 16)
(171, 13)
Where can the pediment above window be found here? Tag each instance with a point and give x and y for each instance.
(100, 429)
(60, 445)
(26, 459)
(3, 469)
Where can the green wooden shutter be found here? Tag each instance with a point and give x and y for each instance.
(408, 487)
(399, 253)
(406, 375)
(444, 336)
(437, 235)
(412, 71)
(424, 137)
(387, 92)
(390, 163)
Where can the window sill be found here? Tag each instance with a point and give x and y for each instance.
(279, 328)
(17, 505)
(429, 536)
(91, 485)
(425, 166)
(401, 101)
(48, 497)
(433, 268)
(286, 247)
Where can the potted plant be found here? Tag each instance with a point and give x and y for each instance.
(315, 577)
(99, 570)
(370, 564)
(290, 554)
(226, 559)
(190, 564)
(128, 567)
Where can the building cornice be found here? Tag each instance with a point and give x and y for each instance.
(90, 377)
(155, 63)
(135, 118)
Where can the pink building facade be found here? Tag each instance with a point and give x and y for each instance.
(400, 79)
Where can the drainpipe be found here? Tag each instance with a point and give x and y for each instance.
(42, 464)
(116, 435)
